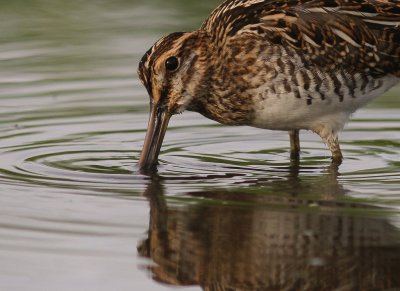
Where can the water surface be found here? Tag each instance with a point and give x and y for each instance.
(227, 209)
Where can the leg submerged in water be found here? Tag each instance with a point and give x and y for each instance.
(294, 144)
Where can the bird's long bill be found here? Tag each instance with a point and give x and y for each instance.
(158, 123)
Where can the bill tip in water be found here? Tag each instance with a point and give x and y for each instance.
(145, 169)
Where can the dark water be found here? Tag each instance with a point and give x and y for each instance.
(227, 210)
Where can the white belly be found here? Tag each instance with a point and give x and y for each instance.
(283, 111)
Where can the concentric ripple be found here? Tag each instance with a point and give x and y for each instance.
(99, 151)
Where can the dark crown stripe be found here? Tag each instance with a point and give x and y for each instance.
(148, 60)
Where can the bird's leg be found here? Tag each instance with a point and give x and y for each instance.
(294, 144)
(331, 140)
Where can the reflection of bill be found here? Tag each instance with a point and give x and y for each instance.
(264, 245)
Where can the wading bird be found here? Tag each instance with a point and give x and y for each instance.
(282, 65)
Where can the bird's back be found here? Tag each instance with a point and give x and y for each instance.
(358, 35)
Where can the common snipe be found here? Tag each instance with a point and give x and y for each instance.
(281, 65)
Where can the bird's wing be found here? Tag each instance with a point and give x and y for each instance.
(360, 34)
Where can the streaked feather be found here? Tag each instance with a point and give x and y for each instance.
(363, 35)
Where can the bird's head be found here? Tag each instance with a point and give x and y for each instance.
(174, 73)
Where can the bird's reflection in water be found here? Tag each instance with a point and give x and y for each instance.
(271, 242)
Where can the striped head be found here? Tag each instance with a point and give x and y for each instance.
(173, 72)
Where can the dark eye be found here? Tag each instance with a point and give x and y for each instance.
(172, 63)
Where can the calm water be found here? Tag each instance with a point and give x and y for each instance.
(227, 210)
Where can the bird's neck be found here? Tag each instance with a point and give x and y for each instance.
(218, 95)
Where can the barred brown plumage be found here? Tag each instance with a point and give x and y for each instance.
(281, 65)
